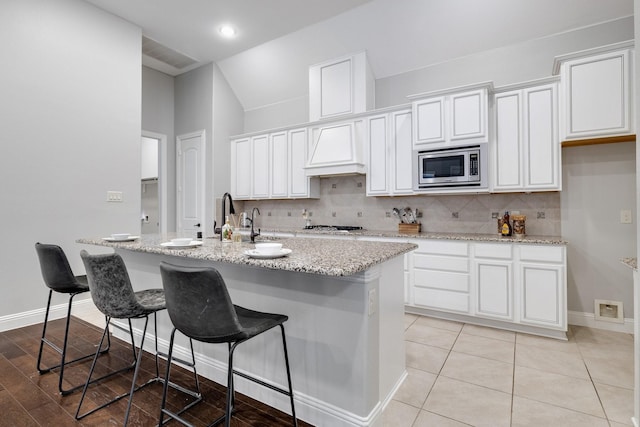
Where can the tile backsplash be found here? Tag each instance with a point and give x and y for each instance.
(343, 201)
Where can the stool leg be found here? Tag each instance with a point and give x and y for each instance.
(44, 332)
(230, 388)
(165, 387)
(135, 372)
(286, 361)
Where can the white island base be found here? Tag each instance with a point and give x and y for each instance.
(344, 336)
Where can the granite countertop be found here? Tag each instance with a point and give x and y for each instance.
(317, 256)
(630, 262)
(545, 240)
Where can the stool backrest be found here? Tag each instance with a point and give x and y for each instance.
(55, 267)
(198, 303)
(110, 286)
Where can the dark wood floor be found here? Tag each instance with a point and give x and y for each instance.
(30, 399)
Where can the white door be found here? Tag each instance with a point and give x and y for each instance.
(154, 192)
(190, 183)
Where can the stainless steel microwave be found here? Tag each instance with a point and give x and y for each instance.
(458, 167)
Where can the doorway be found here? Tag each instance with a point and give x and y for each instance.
(153, 186)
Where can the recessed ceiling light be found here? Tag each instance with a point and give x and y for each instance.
(227, 31)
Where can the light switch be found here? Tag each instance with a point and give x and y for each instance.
(114, 196)
(625, 216)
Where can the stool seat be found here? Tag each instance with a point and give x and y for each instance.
(78, 286)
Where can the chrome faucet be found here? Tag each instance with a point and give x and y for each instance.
(253, 234)
(231, 209)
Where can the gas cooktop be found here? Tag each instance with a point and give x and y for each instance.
(333, 227)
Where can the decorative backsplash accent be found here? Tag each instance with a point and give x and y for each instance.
(343, 201)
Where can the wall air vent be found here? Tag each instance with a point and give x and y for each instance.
(157, 51)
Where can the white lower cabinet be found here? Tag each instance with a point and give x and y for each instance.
(542, 273)
(511, 285)
(493, 274)
(441, 275)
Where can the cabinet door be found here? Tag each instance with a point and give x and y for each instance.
(241, 168)
(279, 165)
(330, 88)
(429, 126)
(469, 115)
(298, 181)
(543, 295)
(402, 153)
(542, 156)
(260, 167)
(507, 149)
(378, 156)
(494, 289)
(596, 92)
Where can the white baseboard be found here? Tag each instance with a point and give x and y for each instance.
(589, 320)
(308, 408)
(19, 320)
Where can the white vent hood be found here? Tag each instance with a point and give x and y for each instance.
(337, 149)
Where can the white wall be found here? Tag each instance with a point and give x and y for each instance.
(599, 181)
(70, 130)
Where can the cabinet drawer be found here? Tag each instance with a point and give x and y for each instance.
(441, 280)
(443, 247)
(442, 300)
(494, 250)
(442, 263)
(543, 253)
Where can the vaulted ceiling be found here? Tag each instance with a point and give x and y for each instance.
(277, 40)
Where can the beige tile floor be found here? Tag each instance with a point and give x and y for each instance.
(461, 375)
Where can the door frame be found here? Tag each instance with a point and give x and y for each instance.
(203, 162)
(163, 194)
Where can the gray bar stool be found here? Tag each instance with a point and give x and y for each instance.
(202, 291)
(57, 275)
(113, 294)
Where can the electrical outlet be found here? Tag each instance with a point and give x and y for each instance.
(114, 196)
(372, 301)
(625, 217)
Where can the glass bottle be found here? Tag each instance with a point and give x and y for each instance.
(227, 231)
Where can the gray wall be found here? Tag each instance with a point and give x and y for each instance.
(70, 130)
(599, 181)
(158, 116)
(203, 100)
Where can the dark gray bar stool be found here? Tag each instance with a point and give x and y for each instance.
(113, 294)
(201, 290)
(57, 275)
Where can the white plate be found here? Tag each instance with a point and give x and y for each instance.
(255, 254)
(193, 244)
(128, 239)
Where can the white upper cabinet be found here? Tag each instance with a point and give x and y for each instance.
(596, 92)
(525, 154)
(389, 154)
(278, 164)
(340, 86)
(260, 167)
(451, 117)
(272, 166)
(300, 185)
(241, 167)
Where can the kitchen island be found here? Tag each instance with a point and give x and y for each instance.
(345, 305)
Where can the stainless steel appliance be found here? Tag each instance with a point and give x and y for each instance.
(454, 167)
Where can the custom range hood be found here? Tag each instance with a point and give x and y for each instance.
(337, 149)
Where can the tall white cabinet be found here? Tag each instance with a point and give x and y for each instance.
(525, 149)
(596, 92)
